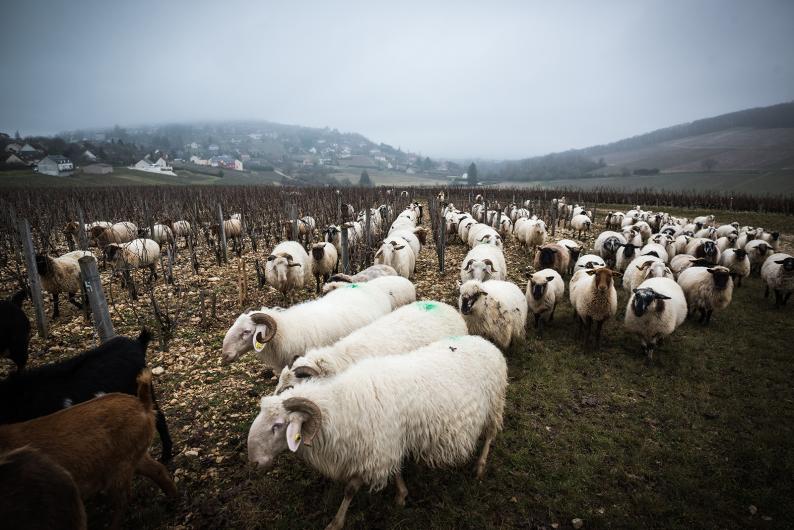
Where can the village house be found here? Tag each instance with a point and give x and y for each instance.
(55, 165)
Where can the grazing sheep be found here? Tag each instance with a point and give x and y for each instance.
(682, 262)
(233, 229)
(727, 230)
(778, 273)
(552, 256)
(370, 273)
(757, 250)
(737, 262)
(613, 220)
(333, 235)
(38, 493)
(358, 427)
(400, 290)
(544, 291)
(706, 289)
(632, 236)
(703, 248)
(61, 275)
(594, 299)
(704, 220)
(495, 309)
(642, 268)
(464, 227)
(179, 229)
(279, 335)
(102, 443)
(113, 366)
(481, 234)
(396, 253)
(288, 267)
(14, 330)
(412, 237)
(726, 242)
(137, 254)
(123, 232)
(656, 308)
(607, 245)
(72, 229)
(482, 263)
(581, 223)
(324, 261)
(773, 238)
(403, 330)
(589, 261)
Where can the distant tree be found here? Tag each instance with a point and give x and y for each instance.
(601, 162)
(709, 164)
(364, 180)
(220, 173)
(17, 136)
(625, 172)
(427, 164)
(472, 174)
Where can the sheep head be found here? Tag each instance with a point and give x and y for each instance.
(787, 263)
(721, 276)
(644, 297)
(470, 292)
(318, 251)
(538, 283)
(251, 330)
(603, 277)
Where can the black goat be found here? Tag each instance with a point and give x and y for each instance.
(14, 330)
(110, 367)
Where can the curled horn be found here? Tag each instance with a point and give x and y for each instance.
(265, 320)
(490, 264)
(314, 417)
(302, 372)
(271, 257)
(645, 265)
(468, 264)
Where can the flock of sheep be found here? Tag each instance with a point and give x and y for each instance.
(368, 376)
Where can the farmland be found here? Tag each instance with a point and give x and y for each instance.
(693, 439)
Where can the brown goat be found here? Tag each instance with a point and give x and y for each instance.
(552, 256)
(38, 493)
(102, 443)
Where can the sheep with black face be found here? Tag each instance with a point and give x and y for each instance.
(706, 289)
(324, 260)
(778, 273)
(545, 289)
(552, 256)
(656, 308)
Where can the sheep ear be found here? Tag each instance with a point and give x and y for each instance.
(635, 291)
(589, 271)
(710, 271)
(296, 265)
(271, 257)
(305, 421)
(780, 262)
(400, 247)
(661, 297)
(468, 265)
(294, 436)
(549, 278)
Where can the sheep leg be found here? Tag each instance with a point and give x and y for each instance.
(551, 316)
(588, 327)
(55, 310)
(74, 302)
(402, 490)
(317, 279)
(153, 273)
(351, 489)
(785, 298)
(777, 298)
(766, 292)
(599, 324)
(157, 473)
(486, 448)
(162, 430)
(708, 316)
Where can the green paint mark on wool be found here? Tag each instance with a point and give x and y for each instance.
(427, 306)
(352, 286)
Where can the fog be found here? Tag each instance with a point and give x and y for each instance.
(451, 79)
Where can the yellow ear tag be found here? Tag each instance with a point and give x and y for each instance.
(297, 437)
(258, 345)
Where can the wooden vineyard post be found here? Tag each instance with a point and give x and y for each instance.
(553, 211)
(368, 232)
(293, 216)
(96, 298)
(442, 239)
(33, 277)
(222, 232)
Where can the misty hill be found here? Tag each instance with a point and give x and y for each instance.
(753, 139)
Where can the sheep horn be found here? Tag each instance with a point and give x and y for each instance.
(265, 320)
(314, 417)
(305, 371)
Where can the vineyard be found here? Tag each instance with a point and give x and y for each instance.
(693, 440)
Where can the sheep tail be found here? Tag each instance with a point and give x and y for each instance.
(19, 297)
(145, 389)
(144, 338)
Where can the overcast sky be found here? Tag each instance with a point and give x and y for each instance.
(448, 79)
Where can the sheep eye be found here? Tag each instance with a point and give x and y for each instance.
(276, 426)
(246, 332)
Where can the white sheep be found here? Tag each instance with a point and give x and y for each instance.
(657, 250)
(358, 427)
(137, 254)
(625, 255)
(162, 234)
(399, 290)
(773, 238)
(544, 291)
(642, 268)
(180, 229)
(706, 289)
(122, 232)
(288, 267)
(61, 275)
(494, 309)
(726, 242)
(703, 248)
(414, 238)
(682, 262)
(656, 308)
(482, 263)
(594, 299)
(607, 245)
(589, 261)
(396, 253)
(530, 232)
(704, 220)
(581, 223)
(370, 273)
(483, 234)
(574, 249)
(403, 330)
(737, 262)
(324, 261)
(778, 273)
(757, 250)
(279, 335)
